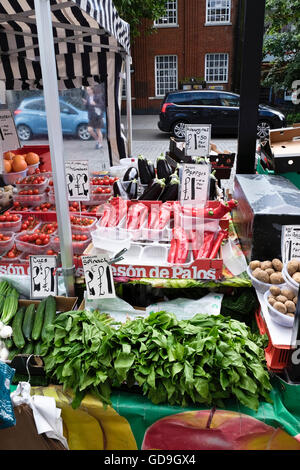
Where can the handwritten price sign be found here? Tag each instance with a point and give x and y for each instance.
(194, 185)
(290, 242)
(77, 180)
(197, 140)
(43, 272)
(98, 278)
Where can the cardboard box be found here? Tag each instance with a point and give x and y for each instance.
(265, 204)
(282, 150)
(36, 364)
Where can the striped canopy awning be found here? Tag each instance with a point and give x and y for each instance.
(90, 41)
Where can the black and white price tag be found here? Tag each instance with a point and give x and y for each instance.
(43, 273)
(197, 140)
(290, 242)
(98, 278)
(77, 180)
(8, 132)
(194, 184)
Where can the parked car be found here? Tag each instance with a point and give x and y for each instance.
(218, 108)
(30, 119)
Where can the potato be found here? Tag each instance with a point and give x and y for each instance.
(266, 264)
(295, 300)
(254, 264)
(296, 277)
(280, 307)
(275, 290)
(288, 293)
(292, 267)
(271, 300)
(276, 278)
(277, 264)
(281, 298)
(262, 276)
(290, 314)
(290, 306)
(269, 271)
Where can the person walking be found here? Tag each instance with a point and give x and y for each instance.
(93, 106)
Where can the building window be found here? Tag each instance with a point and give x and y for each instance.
(216, 68)
(218, 11)
(165, 74)
(170, 17)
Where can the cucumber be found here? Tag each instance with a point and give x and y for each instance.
(18, 337)
(38, 321)
(8, 343)
(50, 313)
(28, 321)
(12, 354)
(29, 348)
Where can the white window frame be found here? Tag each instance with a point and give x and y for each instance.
(206, 68)
(168, 24)
(209, 22)
(156, 77)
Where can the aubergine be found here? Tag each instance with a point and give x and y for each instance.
(163, 168)
(131, 174)
(132, 189)
(119, 190)
(171, 191)
(144, 170)
(154, 191)
(151, 168)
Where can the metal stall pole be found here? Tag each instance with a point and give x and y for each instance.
(128, 62)
(250, 84)
(48, 67)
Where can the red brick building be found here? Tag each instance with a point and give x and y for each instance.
(196, 38)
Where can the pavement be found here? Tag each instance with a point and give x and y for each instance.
(147, 140)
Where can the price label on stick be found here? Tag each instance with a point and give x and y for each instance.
(197, 140)
(8, 133)
(77, 180)
(290, 242)
(98, 278)
(43, 273)
(194, 184)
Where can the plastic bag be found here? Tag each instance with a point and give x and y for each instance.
(7, 416)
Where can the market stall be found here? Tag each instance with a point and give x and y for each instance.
(170, 335)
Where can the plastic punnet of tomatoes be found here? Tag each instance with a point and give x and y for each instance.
(29, 223)
(35, 243)
(82, 224)
(103, 181)
(45, 207)
(32, 185)
(18, 207)
(6, 241)
(79, 243)
(12, 255)
(10, 222)
(32, 200)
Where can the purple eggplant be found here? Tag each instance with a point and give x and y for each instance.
(153, 192)
(171, 191)
(131, 174)
(151, 168)
(132, 189)
(163, 168)
(119, 190)
(144, 170)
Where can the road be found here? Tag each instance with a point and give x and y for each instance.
(146, 140)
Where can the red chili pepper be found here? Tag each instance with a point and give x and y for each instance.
(153, 223)
(210, 212)
(207, 246)
(221, 236)
(182, 247)
(165, 214)
(136, 216)
(172, 251)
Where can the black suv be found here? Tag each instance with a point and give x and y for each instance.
(218, 108)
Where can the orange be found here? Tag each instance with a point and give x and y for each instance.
(19, 163)
(8, 155)
(32, 158)
(7, 166)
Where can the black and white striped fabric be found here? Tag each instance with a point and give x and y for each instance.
(88, 35)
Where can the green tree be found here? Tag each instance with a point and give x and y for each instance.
(134, 11)
(282, 43)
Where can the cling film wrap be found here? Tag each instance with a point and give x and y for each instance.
(133, 422)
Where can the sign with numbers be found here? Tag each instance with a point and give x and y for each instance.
(77, 180)
(8, 132)
(43, 273)
(290, 242)
(197, 140)
(98, 278)
(194, 183)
